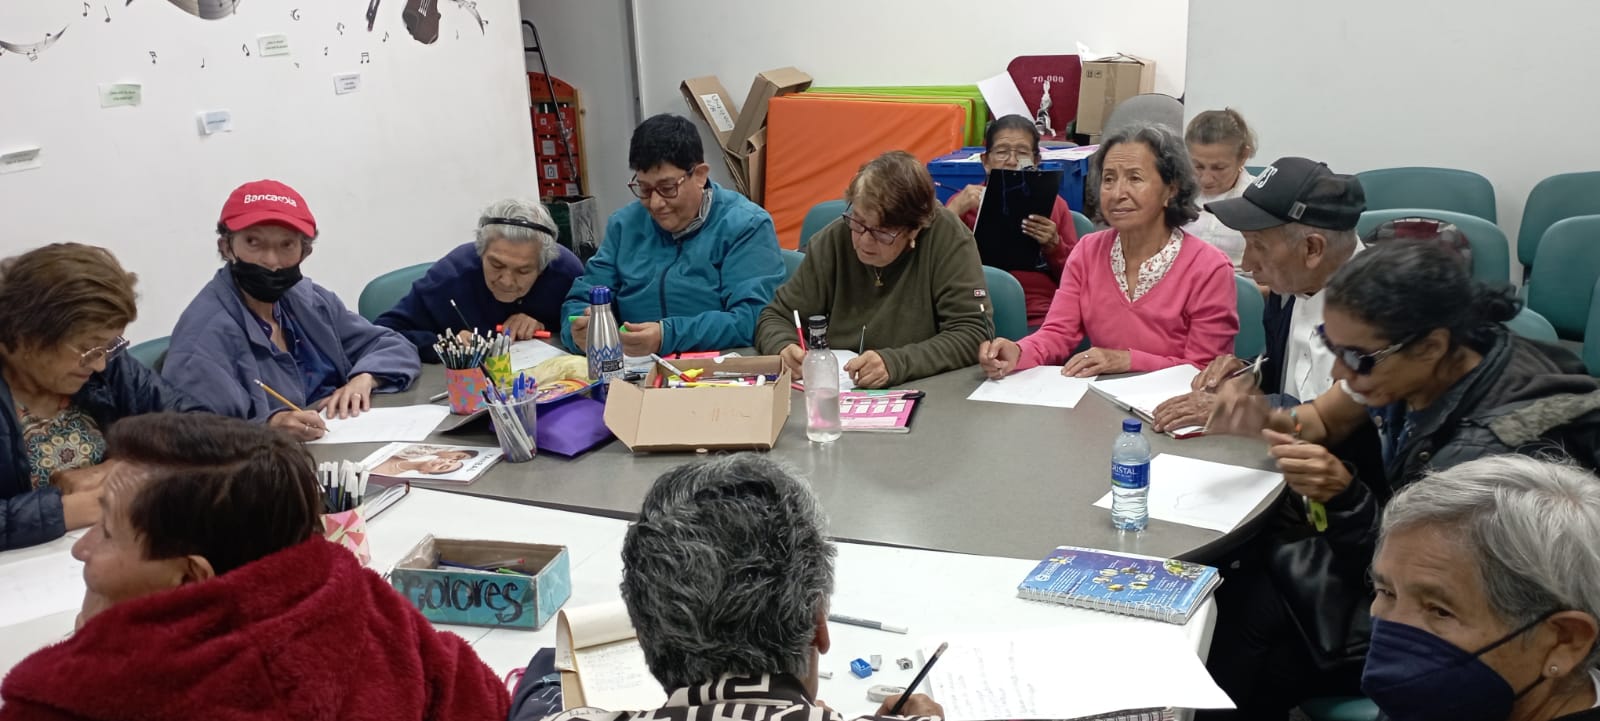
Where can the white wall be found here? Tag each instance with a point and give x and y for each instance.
(1501, 90)
(394, 172)
(886, 42)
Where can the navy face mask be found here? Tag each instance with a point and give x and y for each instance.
(1413, 675)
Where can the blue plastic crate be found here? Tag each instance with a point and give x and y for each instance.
(952, 172)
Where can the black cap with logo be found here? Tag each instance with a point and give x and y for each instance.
(1295, 190)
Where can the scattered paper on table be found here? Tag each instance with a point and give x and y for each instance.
(1001, 94)
(38, 587)
(1019, 675)
(384, 425)
(121, 95)
(1037, 386)
(15, 161)
(529, 353)
(1204, 494)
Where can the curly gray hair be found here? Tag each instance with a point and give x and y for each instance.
(1172, 163)
(726, 571)
(518, 209)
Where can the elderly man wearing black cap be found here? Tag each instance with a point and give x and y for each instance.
(1299, 223)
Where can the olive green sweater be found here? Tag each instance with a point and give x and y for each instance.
(929, 315)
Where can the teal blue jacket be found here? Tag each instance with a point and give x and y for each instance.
(706, 288)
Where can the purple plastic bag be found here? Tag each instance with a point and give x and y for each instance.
(572, 427)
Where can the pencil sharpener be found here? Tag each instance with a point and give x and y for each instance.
(905, 664)
(860, 668)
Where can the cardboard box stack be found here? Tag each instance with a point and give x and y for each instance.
(742, 134)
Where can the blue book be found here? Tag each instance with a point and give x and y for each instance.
(1163, 590)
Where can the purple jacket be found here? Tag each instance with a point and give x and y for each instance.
(219, 350)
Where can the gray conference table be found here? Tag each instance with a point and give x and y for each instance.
(971, 477)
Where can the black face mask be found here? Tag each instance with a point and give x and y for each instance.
(262, 284)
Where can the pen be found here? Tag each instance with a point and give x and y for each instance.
(278, 396)
(861, 343)
(865, 623)
(666, 365)
(798, 333)
(1252, 367)
(898, 705)
(1316, 513)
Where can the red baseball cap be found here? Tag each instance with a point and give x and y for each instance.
(267, 201)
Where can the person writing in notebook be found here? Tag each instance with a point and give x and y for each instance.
(211, 594)
(259, 320)
(690, 264)
(1012, 143)
(898, 277)
(1146, 294)
(513, 275)
(726, 575)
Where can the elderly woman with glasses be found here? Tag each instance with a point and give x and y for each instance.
(1429, 376)
(1145, 294)
(898, 278)
(65, 380)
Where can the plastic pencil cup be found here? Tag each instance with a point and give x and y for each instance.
(348, 529)
(499, 369)
(464, 388)
(515, 425)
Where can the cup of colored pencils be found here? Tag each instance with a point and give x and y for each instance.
(343, 485)
(470, 363)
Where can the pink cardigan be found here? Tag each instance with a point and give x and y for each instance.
(1190, 316)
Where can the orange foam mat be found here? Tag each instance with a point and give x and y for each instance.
(815, 145)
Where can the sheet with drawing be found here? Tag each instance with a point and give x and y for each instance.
(382, 425)
(1204, 494)
(41, 586)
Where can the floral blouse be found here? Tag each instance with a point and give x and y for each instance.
(1151, 271)
(69, 439)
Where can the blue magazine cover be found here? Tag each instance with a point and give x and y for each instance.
(1165, 590)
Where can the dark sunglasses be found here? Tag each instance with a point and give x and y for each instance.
(1359, 361)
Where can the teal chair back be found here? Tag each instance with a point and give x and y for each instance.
(1491, 252)
(1562, 284)
(817, 218)
(1555, 198)
(1529, 324)
(791, 262)
(152, 353)
(1461, 191)
(1591, 347)
(1252, 338)
(1010, 307)
(386, 290)
(1082, 224)
(1340, 708)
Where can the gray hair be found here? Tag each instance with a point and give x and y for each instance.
(1338, 240)
(1172, 163)
(516, 208)
(1531, 524)
(726, 570)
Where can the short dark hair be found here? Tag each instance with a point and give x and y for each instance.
(230, 491)
(665, 138)
(1172, 163)
(1405, 290)
(49, 294)
(1011, 122)
(898, 186)
(1222, 127)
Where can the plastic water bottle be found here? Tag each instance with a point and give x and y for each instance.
(604, 343)
(1130, 479)
(821, 371)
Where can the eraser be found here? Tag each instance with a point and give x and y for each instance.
(879, 694)
(876, 661)
(860, 668)
(824, 675)
(905, 664)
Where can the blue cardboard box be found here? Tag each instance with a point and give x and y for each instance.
(470, 597)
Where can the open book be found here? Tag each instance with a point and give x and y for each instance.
(601, 663)
(1141, 394)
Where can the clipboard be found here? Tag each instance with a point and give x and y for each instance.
(1008, 198)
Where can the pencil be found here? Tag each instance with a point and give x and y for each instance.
(457, 308)
(278, 396)
(920, 675)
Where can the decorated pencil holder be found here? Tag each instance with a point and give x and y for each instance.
(499, 369)
(464, 388)
(348, 529)
(516, 425)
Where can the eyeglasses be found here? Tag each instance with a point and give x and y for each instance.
(99, 353)
(668, 190)
(1010, 154)
(886, 237)
(1357, 360)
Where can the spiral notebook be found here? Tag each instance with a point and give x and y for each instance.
(1154, 588)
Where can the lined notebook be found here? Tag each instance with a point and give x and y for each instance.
(1163, 590)
(887, 411)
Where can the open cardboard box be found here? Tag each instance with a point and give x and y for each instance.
(742, 133)
(689, 419)
(484, 598)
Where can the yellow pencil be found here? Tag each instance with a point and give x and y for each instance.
(277, 395)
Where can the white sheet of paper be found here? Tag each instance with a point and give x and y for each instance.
(121, 95)
(1204, 494)
(271, 45)
(529, 353)
(844, 356)
(346, 83)
(1038, 386)
(383, 425)
(1002, 96)
(37, 587)
(1074, 153)
(216, 121)
(1019, 675)
(13, 161)
(614, 675)
(1143, 393)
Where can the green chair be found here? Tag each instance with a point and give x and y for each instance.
(152, 353)
(818, 217)
(1461, 191)
(1564, 274)
(1340, 708)
(1252, 338)
(386, 290)
(1009, 305)
(1591, 349)
(791, 262)
(1533, 326)
(1255, 170)
(1491, 252)
(1082, 224)
(1555, 198)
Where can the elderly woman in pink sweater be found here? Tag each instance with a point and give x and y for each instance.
(1147, 295)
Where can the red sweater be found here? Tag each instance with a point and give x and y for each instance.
(1038, 288)
(305, 633)
(1190, 316)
